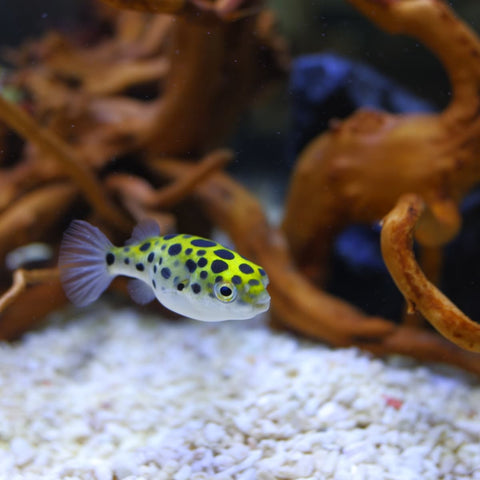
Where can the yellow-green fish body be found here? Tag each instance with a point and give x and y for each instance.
(193, 276)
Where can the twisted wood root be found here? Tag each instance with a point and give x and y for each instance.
(421, 295)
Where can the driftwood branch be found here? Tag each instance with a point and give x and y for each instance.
(434, 24)
(139, 190)
(35, 215)
(68, 162)
(152, 6)
(30, 307)
(22, 279)
(421, 295)
(229, 10)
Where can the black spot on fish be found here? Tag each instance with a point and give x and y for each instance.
(126, 261)
(203, 274)
(140, 267)
(191, 265)
(163, 247)
(180, 287)
(218, 279)
(126, 249)
(236, 279)
(154, 283)
(145, 246)
(225, 254)
(244, 268)
(110, 258)
(219, 266)
(151, 256)
(262, 272)
(175, 280)
(253, 282)
(165, 271)
(160, 260)
(154, 269)
(170, 235)
(196, 288)
(201, 252)
(201, 242)
(188, 251)
(202, 262)
(175, 249)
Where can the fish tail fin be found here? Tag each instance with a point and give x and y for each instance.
(82, 263)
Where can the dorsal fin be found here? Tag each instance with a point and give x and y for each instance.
(140, 292)
(145, 229)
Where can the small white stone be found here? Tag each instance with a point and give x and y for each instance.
(124, 467)
(346, 395)
(183, 474)
(213, 432)
(22, 450)
(332, 412)
(222, 462)
(239, 451)
(102, 472)
(243, 422)
(249, 474)
(305, 466)
(311, 406)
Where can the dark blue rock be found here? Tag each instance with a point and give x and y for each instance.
(326, 86)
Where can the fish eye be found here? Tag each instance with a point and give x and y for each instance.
(225, 292)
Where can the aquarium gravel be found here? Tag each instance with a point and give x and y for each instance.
(115, 394)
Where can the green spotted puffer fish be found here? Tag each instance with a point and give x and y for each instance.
(193, 276)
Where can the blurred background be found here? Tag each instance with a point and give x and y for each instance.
(310, 26)
(269, 134)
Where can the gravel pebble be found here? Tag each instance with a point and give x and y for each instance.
(106, 392)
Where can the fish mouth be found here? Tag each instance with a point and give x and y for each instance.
(263, 300)
(263, 306)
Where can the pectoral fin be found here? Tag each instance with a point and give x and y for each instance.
(140, 291)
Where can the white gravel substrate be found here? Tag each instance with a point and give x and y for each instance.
(112, 394)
